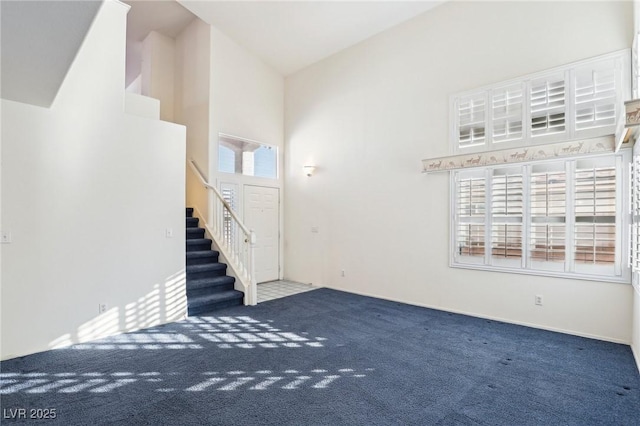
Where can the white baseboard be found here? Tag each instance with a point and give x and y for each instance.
(636, 355)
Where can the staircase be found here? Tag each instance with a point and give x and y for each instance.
(208, 286)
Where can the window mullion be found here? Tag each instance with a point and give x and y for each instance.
(526, 216)
(569, 235)
(526, 119)
(453, 206)
(570, 104)
(488, 223)
(619, 221)
(488, 126)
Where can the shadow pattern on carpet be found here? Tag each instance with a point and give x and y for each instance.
(328, 358)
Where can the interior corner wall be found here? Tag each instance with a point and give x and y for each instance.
(87, 196)
(368, 115)
(157, 77)
(192, 103)
(635, 341)
(247, 96)
(1, 229)
(247, 101)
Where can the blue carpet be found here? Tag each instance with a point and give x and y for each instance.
(329, 358)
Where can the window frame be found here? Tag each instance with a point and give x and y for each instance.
(227, 141)
(617, 63)
(620, 271)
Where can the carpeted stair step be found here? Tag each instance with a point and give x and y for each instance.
(208, 286)
(198, 244)
(202, 257)
(205, 286)
(211, 302)
(195, 233)
(208, 270)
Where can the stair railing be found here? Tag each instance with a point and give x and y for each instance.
(234, 240)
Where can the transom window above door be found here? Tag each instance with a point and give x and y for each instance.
(247, 157)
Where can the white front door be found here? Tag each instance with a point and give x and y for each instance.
(261, 214)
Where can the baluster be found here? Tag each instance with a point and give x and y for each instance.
(218, 214)
(236, 241)
(216, 222)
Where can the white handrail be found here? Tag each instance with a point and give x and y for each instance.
(215, 190)
(234, 240)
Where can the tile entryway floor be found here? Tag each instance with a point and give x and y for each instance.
(277, 289)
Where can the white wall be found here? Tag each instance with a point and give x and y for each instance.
(192, 87)
(368, 115)
(136, 86)
(247, 100)
(87, 196)
(157, 77)
(247, 96)
(635, 342)
(142, 106)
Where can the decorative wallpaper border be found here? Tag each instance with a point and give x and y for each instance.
(519, 155)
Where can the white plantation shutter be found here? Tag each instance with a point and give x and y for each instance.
(229, 192)
(596, 95)
(506, 213)
(595, 214)
(507, 113)
(561, 218)
(635, 221)
(635, 212)
(471, 121)
(572, 102)
(547, 101)
(470, 216)
(547, 200)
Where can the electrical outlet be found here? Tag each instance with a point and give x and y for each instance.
(342, 273)
(102, 308)
(5, 237)
(538, 299)
(169, 233)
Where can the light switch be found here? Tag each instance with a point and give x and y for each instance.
(5, 237)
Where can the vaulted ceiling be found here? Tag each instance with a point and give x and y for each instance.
(288, 35)
(39, 45)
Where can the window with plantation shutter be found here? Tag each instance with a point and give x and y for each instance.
(571, 102)
(547, 200)
(634, 256)
(547, 98)
(595, 96)
(552, 217)
(472, 112)
(507, 113)
(506, 214)
(595, 214)
(470, 214)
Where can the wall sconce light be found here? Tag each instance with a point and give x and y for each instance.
(308, 170)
